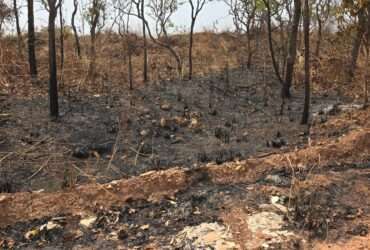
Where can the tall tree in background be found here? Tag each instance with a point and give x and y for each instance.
(96, 19)
(323, 8)
(75, 33)
(360, 11)
(161, 11)
(307, 90)
(5, 14)
(244, 18)
(196, 7)
(61, 35)
(124, 8)
(269, 15)
(52, 7)
(145, 55)
(31, 41)
(292, 50)
(17, 26)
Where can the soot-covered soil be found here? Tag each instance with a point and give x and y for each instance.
(117, 135)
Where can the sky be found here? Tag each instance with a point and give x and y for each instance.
(214, 16)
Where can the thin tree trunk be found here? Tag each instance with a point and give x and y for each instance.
(94, 23)
(130, 67)
(61, 23)
(191, 40)
(356, 45)
(77, 39)
(249, 47)
(145, 58)
(319, 33)
(271, 47)
(366, 80)
(31, 41)
(306, 29)
(53, 83)
(292, 50)
(17, 25)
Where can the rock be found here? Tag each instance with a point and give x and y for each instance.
(32, 234)
(104, 148)
(213, 112)
(222, 134)
(163, 122)
(361, 229)
(205, 236)
(194, 123)
(146, 111)
(274, 199)
(144, 132)
(166, 107)
(50, 226)
(267, 232)
(281, 208)
(276, 143)
(275, 179)
(88, 222)
(122, 234)
(81, 152)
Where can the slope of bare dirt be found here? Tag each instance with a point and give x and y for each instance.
(320, 191)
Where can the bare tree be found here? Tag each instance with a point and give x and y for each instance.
(275, 65)
(307, 91)
(52, 7)
(145, 55)
(95, 16)
(124, 9)
(61, 35)
(161, 11)
(17, 26)
(292, 50)
(322, 8)
(73, 23)
(361, 27)
(31, 41)
(5, 14)
(196, 8)
(244, 18)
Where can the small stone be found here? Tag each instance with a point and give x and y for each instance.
(166, 107)
(88, 222)
(163, 122)
(274, 199)
(275, 179)
(144, 132)
(32, 234)
(122, 234)
(81, 152)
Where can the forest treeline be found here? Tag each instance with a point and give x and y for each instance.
(290, 29)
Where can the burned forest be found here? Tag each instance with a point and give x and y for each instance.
(185, 124)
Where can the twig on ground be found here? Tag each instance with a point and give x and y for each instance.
(39, 170)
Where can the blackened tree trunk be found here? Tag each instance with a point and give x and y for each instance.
(319, 32)
(75, 33)
(61, 37)
(31, 41)
(53, 83)
(17, 25)
(191, 41)
(306, 30)
(270, 41)
(94, 24)
(145, 58)
(130, 75)
(361, 27)
(196, 8)
(292, 50)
